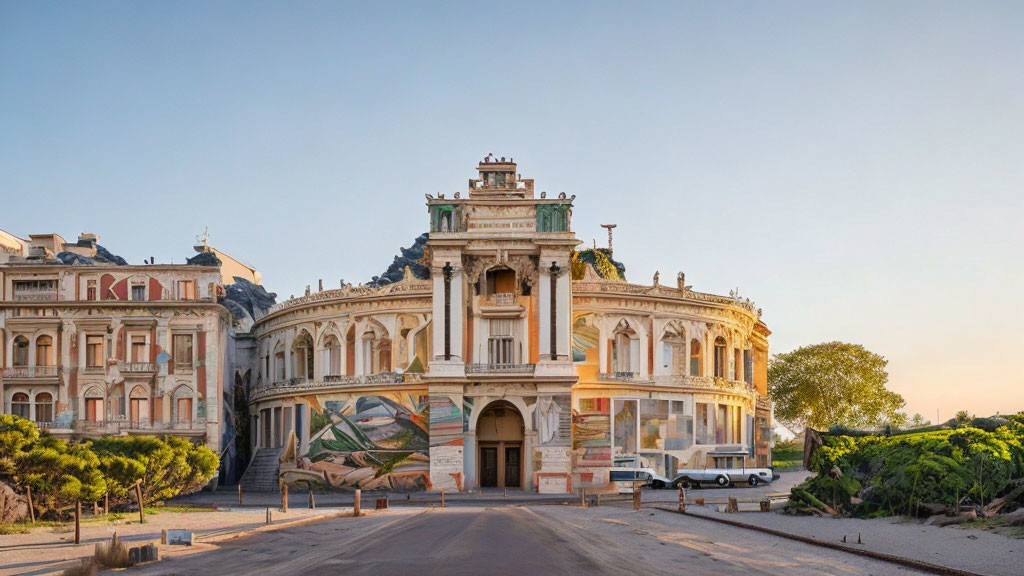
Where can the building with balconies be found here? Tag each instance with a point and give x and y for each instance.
(92, 345)
(505, 357)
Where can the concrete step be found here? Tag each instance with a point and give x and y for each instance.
(262, 473)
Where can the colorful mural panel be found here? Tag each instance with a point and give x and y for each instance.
(591, 432)
(377, 442)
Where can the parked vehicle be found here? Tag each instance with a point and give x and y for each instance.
(630, 469)
(722, 477)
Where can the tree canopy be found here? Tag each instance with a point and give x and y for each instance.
(833, 384)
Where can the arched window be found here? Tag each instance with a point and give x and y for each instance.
(625, 349)
(384, 356)
(302, 357)
(20, 351)
(20, 405)
(94, 405)
(279, 363)
(720, 358)
(183, 406)
(44, 407)
(139, 405)
(696, 359)
(44, 351)
(673, 351)
(331, 356)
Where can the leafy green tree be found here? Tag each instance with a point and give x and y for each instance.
(962, 418)
(833, 384)
(61, 473)
(15, 434)
(166, 466)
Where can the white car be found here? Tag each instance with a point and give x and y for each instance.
(625, 477)
(722, 477)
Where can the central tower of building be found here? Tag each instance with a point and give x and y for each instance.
(501, 371)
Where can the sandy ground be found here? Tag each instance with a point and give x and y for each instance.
(512, 540)
(44, 550)
(966, 549)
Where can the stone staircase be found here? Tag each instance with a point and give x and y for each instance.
(262, 473)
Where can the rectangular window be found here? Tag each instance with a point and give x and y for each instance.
(705, 422)
(679, 432)
(624, 426)
(94, 409)
(501, 344)
(654, 423)
(139, 349)
(186, 290)
(90, 290)
(184, 409)
(722, 424)
(94, 351)
(139, 292)
(748, 367)
(182, 350)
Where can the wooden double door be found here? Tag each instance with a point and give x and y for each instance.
(501, 465)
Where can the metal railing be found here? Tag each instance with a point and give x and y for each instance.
(500, 368)
(53, 425)
(137, 367)
(31, 372)
(621, 376)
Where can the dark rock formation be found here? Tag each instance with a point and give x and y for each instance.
(204, 259)
(410, 257)
(103, 256)
(243, 298)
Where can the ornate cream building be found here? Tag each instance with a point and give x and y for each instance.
(504, 357)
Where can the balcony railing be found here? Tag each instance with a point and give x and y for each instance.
(298, 384)
(35, 296)
(31, 372)
(500, 368)
(137, 367)
(620, 376)
(116, 426)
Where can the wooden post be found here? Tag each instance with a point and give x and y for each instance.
(78, 522)
(106, 503)
(597, 502)
(583, 497)
(732, 505)
(239, 493)
(31, 505)
(138, 498)
(95, 508)
(268, 514)
(442, 498)
(636, 496)
(284, 498)
(312, 502)
(682, 499)
(356, 502)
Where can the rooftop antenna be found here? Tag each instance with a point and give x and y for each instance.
(203, 240)
(609, 227)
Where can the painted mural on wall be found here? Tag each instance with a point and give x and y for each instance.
(378, 442)
(448, 423)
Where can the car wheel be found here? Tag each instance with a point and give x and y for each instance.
(722, 481)
(754, 480)
(657, 484)
(688, 484)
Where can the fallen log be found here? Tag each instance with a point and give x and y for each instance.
(811, 500)
(996, 505)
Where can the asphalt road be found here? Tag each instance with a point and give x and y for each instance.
(515, 540)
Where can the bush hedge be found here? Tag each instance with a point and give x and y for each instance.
(887, 475)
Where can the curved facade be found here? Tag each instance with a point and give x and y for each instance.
(518, 363)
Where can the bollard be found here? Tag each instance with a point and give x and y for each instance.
(239, 493)
(268, 514)
(506, 493)
(583, 497)
(682, 499)
(284, 498)
(312, 503)
(356, 503)
(442, 498)
(78, 522)
(598, 501)
(732, 506)
(163, 537)
(636, 497)
(698, 501)
(766, 505)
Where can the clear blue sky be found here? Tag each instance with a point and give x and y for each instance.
(856, 168)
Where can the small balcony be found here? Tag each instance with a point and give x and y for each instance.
(500, 369)
(30, 372)
(619, 376)
(137, 367)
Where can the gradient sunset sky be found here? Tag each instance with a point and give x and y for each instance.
(855, 168)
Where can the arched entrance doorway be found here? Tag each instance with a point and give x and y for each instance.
(499, 435)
